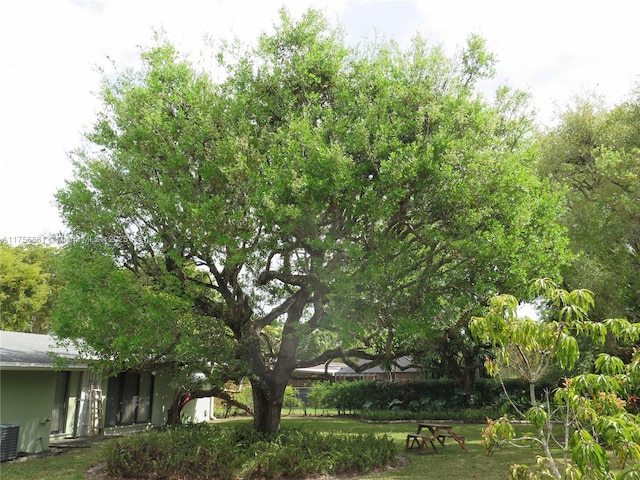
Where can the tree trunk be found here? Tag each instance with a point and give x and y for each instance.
(267, 406)
(175, 411)
(461, 370)
(173, 416)
(268, 384)
(467, 382)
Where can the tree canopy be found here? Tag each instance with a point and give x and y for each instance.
(594, 154)
(319, 201)
(27, 287)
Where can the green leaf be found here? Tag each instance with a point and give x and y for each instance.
(609, 365)
(537, 416)
(567, 351)
(588, 454)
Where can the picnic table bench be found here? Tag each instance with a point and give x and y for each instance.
(437, 432)
(420, 441)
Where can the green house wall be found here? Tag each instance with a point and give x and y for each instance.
(26, 399)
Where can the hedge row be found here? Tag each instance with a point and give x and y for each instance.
(416, 396)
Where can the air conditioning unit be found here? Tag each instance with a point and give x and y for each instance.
(9, 442)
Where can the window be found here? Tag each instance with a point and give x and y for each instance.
(59, 413)
(129, 399)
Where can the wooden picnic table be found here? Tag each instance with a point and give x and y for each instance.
(437, 432)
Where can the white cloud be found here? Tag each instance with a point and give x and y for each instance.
(554, 49)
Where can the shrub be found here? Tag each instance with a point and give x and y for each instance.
(460, 414)
(237, 451)
(291, 399)
(421, 396)
(318, 396)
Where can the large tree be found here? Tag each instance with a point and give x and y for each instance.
(316, 202)
(594, 153)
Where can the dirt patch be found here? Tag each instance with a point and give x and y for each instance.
(97, 472)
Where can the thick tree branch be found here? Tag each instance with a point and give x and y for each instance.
(218, 393)
(347, 355)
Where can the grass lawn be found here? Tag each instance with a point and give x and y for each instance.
(69, 465)
(452, 463)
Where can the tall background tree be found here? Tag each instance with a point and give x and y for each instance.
(28, 287)
(319, 202)
(594, 153)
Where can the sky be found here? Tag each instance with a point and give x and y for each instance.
(51, 52)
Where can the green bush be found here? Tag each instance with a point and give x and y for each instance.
(291, 399)
(226, 452)
(175, 451)
(461, 415)
(318, 396)
(420, 396)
